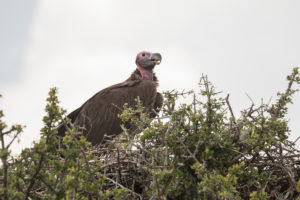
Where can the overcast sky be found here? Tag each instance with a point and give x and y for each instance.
(81, 47)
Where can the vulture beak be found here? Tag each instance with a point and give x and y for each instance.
(156, 57)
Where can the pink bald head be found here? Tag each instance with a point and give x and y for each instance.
(145, 62)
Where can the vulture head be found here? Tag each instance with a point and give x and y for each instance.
(145, 62)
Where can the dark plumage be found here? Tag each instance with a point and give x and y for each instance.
(99, 115)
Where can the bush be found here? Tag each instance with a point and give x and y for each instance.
(196, 150)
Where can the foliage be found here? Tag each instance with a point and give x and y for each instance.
(200, 150)
(54, 168)
(196, 150)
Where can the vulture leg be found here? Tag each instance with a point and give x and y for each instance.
(157, 105)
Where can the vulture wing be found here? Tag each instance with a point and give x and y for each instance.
(99, 115)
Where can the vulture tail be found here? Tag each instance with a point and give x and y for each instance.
(61, 129)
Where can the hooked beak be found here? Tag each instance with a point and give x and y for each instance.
(156, 57)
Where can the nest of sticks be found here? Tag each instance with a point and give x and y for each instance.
(124, 167)
(129, 168)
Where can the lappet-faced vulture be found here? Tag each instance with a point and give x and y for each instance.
(99, 115)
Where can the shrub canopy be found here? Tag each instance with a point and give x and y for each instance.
(195, 150)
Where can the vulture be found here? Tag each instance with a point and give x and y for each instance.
(98, 116)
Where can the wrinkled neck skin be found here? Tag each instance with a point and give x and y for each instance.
(146, 74)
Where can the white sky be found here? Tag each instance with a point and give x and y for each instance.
(81, 47)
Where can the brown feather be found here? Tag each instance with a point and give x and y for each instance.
(99, 115)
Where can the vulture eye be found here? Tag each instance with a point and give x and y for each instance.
(143, 54)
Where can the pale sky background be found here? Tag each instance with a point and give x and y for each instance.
(83, 46)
